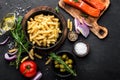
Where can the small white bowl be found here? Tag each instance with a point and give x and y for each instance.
(81, 48)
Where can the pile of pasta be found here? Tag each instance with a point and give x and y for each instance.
(43, 30)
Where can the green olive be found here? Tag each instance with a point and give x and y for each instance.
(55, 62)
(70, 61)
(61, 66)
(64, 56)
(57, 65)
(66, 62)
(67, 58)
(70, 66)
(62, 70)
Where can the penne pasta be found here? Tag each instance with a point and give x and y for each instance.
(43, 30)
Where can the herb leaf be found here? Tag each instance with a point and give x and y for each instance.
(75, 0)
(57, 9)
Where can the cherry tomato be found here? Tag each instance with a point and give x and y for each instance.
(28, 68)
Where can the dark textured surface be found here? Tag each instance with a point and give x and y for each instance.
(103, 61)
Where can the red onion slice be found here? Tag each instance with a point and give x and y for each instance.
(76, 25)
(81, 27)
(5, 41)
(9, 58)
(38, 76)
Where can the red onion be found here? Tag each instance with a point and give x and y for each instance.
(76, 25)
(82, 27)
(9, 58)
(38, 76)
(5, 41)
(13, 53)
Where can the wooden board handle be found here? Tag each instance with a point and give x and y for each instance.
(100, 31)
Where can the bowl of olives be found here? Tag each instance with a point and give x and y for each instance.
(68, 61)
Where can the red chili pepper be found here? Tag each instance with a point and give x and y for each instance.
(84, 7)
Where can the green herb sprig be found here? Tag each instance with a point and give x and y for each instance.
(57, 9)
(19, 38)
(59, 60)
(75, 0)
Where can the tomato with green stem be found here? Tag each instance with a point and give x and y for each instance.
(28, 68)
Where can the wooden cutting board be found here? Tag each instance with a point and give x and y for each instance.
(100, 31)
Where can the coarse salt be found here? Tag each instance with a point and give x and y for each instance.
(81, 48)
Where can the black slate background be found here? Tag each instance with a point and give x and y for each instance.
(103, 61)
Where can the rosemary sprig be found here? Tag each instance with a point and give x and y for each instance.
(59, 60)
(19, 38)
